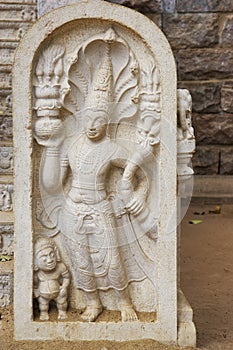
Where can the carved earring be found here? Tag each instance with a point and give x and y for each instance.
(57, 254)
(107, 131)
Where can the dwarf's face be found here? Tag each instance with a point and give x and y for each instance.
(46, 259)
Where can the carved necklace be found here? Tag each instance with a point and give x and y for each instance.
(88, 158)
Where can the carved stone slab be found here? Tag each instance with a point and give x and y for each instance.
(5, 98)
(5, 77)
(6, 240)
(6, 203)
(95, 140)
(28, 2)
(45, 6)
(6, 288)
(20, 12)
(13, 31)
(6, 128)
(7, 52)
(6, 160)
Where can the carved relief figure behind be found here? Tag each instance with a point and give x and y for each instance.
(101, 219)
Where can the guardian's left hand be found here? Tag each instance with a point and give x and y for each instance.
(136, 205)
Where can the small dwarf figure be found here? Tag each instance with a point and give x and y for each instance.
(51, 278)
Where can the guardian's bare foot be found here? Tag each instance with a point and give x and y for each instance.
(62, 315)
(44, 316)
(128, 314)
(91, 313)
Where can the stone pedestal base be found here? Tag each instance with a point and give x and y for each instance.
(186, 327)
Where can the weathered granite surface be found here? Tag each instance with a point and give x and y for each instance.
(206, 160)
(6, 240)
(6, 160)
(226, 32)
(226, 161)
(169, 6)
(219, 130)
(200, 64)
(139, 5)
(6, 197)
(204, 5)
(6, 283)
(226, 97)
(191, 30)
(206, 96)
(6, 132)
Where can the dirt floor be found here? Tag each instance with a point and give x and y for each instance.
(206, 280)
(207, 274)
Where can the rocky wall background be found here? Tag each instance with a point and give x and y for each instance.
(201, 35)
(15, 18)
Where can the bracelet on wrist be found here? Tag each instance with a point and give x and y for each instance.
(52, 151)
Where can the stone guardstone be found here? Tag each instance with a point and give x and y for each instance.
(95, 142)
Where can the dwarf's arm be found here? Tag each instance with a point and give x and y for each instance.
(65, 279)
(36, 285)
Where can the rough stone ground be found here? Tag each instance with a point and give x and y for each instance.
(206, 279)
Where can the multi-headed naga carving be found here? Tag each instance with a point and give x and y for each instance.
(81, 111)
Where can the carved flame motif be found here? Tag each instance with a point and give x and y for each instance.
(50, 66)
(49, 71)
(150, 107)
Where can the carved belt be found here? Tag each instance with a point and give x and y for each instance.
(89, 186)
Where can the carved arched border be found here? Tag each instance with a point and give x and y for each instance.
(165, 329)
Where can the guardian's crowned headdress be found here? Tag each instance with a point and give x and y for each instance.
(100, 96)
